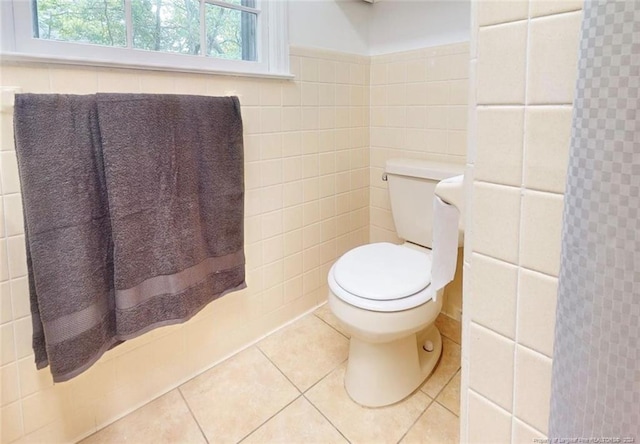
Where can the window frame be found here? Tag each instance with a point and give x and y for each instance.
(19, 44)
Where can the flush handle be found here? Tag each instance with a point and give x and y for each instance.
(384, 177)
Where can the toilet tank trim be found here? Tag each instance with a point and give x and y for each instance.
(424, 169)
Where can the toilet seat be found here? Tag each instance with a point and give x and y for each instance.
(382, 277)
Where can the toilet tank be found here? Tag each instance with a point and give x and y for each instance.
(412, 185)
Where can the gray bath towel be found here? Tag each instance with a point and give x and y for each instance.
(67, 229)
(134, 215)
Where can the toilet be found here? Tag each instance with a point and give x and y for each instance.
(381, 292)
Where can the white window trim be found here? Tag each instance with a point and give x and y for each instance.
(18, 44)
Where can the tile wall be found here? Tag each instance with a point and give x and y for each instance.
(522, 76)
(418, 111)
(307, 201)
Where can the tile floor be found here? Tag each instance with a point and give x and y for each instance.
(288, 388)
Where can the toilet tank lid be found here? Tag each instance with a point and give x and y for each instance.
(424, 169)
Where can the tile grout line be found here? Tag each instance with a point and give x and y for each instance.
(330, 325)
(323, 415)
(324, 376)
(192, 415)
(419, 416)
(523, 189)
(447, 409)
(433, 399)
(519, 266)
(270, 418)
(278, 368)
(445, 386)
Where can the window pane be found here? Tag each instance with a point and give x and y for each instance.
(88, 21)
(166, 25)
(247, 3)
(231, 34)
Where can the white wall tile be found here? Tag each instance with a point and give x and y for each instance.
(548, 49)
(524, 433)
(155, 83)
(6, 309)
(4, 261)
(32, 379)
(487, 423)
(458, 65)
(292, 94)
(469, 177)
(9, 384)
(457, 118)
(343, 73)
(42, 408)
(501, 63)
(9, 172)
(309, 94)
(20, 298)
(6, 132)
(117, 80)
(77, 422)
(17, 256)
(24, 332)
(491, 12)
(541, 231)
(308, 69)
(397, 72)
(472, 149)
(73, 81)
(500, 132)
(491, 365)
(459, 92)
(7, 339)
(437, 69)
(379, 74)
(271, 93)
(416, 70)
(547, 142)
(496, 221)
(438, 93)
(537, 295)
(545, 7)
(14, 222)
(532, 388)
(553, 58)
(457, 143)
(11, 420)
(493, 294)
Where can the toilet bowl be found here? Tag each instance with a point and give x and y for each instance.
(386, 349)
(382, 295)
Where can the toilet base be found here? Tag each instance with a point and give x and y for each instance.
(380, 374)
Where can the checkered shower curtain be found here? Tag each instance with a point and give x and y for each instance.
(596, 367)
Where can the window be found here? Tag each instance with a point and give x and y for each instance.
(240, 36)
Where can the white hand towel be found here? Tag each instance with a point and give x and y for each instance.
(444, 256)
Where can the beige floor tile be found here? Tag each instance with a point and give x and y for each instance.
(232, 399)
(361, 424)
(450, 395)
(449, 327)
(299, 422)
(306, 350)
(436, 426)
(165, 420)
(447, 367)
(325, 313)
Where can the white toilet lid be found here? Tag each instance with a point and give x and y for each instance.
(383, 271)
